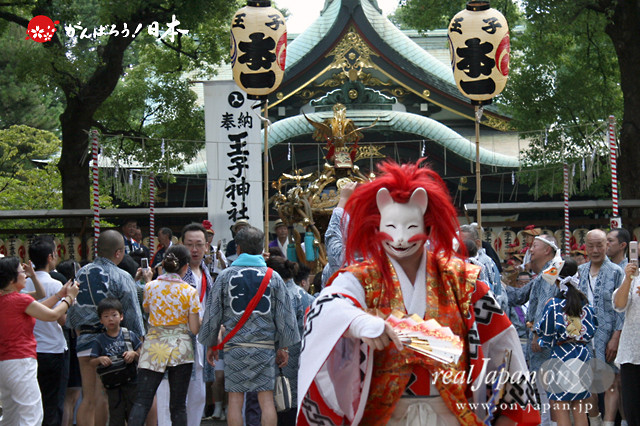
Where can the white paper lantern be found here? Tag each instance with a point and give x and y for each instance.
(479, 47)
(501, 244)
(258, 48)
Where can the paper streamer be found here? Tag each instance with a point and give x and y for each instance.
(96, 190)
(152, 214)
(567, 232)
(614, 165)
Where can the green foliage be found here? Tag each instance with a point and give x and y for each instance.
(29, 184)
(563, 77)
(19, 146)
(31, 190)
(152, 97)
(22, 100)
(156, 106)
(433, 14)
(22, 185)
(549, 181)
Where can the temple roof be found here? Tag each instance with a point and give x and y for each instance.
(304, 44)
(354, 35)
(422, 127)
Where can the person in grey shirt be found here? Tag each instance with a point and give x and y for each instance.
(98, 280)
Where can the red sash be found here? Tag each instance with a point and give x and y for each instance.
(247, 312)
(203, 287)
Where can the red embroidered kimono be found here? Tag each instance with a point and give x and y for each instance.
(343, 381)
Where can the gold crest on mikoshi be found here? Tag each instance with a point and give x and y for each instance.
(339, 131)
(479, 47)
(258, 48)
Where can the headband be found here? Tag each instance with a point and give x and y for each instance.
(547, 242)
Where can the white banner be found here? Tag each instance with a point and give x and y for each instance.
(234, 158)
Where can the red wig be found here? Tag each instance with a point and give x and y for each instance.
(440, 219)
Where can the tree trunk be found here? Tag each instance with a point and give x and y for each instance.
(82, 102)
(74, 161)
(623, 30)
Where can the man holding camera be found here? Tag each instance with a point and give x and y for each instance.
(99, 280)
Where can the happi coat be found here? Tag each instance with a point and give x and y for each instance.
(568, 338)
(609, 279)
(250, 355)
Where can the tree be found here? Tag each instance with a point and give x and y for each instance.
(89, 70)
(19, 147)
(564, 79)
(24, 186)
(432, 14)
(564, 71)
(22, 101)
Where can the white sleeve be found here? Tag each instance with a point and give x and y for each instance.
(346, 283)
(364, 324)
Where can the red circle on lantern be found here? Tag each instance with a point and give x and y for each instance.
(41, 29)
(281, 51)
(497, 244)
(502, 55)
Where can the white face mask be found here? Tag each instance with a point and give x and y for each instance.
(402, 221)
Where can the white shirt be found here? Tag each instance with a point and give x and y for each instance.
(628, 348)
(49, 335)
(591, 287)
(283, 247)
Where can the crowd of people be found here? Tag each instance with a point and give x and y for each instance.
(114, 313)
(197, 330)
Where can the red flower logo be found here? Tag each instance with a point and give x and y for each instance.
(41, 29)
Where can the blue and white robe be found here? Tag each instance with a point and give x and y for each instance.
(573, 376)
(301, 302)
(249, 356)
(536, 292)
(609, 279)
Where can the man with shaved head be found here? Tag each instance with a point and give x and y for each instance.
(543, 250)
(99, 280)
(598, 279)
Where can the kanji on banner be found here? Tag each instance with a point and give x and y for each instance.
(234, 153)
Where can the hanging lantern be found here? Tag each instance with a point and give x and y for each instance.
(258, 48)
(479, 48)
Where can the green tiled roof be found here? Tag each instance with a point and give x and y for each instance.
(306, 41)
(312, 35)
(397, 121)
(418, 125)
(404, 45)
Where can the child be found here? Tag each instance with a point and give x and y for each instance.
(567, 326)
(110, 345)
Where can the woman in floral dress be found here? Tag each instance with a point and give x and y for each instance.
(173, 312)
(567, 326)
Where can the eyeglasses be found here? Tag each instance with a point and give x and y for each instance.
(196, 245)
